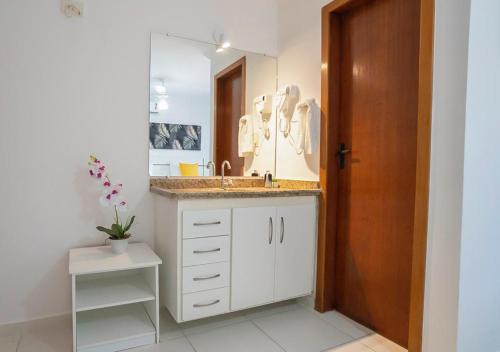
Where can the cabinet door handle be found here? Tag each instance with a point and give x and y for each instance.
(282, 237)
(200, 305)
(206, 277)
(206, 223)
(206, 251)
(270, 230)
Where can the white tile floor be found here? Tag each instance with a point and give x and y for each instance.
(288, 327)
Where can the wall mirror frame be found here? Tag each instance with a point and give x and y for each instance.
(210, 103)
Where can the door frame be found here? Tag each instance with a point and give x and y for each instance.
(330, 109)
(226, 72)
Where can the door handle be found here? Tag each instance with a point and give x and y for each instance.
(270, 230)
(341, 154)
(282, 237)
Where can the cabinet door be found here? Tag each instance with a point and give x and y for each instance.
(253, 254)
(295, 246)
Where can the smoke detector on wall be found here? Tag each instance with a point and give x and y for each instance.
(71, 8)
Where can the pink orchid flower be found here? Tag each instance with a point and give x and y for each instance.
(111, 195)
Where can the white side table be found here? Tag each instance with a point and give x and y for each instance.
(115, 298)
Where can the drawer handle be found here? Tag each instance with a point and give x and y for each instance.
(206, 277)
(200, 305)
(206, 251)
(206, 223)
(270, 230)
(282, 230)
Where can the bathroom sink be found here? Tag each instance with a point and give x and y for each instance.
(248, 189)
(231, 189)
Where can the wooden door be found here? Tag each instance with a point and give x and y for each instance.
(375, 157)
(295, 241)
(253, 257)
(229, 108)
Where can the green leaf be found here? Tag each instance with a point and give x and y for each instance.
(108, 231)
(117, 228)
(129, 223)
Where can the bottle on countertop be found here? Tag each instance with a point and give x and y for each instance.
(268, 179)
(255, 173)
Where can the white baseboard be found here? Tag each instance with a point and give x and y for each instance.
(68, 313)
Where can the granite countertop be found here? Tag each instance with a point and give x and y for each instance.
(243, 187)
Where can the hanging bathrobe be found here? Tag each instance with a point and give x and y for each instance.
(245, 136)
(304, 127)
(249, 135)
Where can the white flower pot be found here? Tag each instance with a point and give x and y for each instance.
(119, 246)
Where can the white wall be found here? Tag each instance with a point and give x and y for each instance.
(479, 299)
(299, 62)
(70, 87)
(447, 154)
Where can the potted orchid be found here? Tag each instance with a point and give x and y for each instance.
(111, 196)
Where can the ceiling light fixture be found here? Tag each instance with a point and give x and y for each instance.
(159, 86)
(162, 105)
(159, 97)
(160, 89)
(220, 43)
(219, 48)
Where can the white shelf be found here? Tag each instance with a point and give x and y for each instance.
(114, 298)
(104, 329)
(100, 259)
(112, 291)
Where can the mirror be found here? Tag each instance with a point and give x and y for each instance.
(208, 104)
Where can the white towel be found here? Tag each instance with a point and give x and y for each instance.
(304, 129)
(288, 97)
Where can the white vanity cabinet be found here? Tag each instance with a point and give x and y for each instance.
(254, 254)
(295, 251)
(224, 255)
(273, 254)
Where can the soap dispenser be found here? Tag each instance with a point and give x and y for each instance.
(268, 179)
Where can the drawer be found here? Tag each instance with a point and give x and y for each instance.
(205, 277)
(207, 250)
(204, 304)
(203, 223)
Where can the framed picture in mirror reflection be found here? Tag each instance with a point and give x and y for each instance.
(174, 136)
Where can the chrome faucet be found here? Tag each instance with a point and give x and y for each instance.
(211, 165)
(222, 181)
